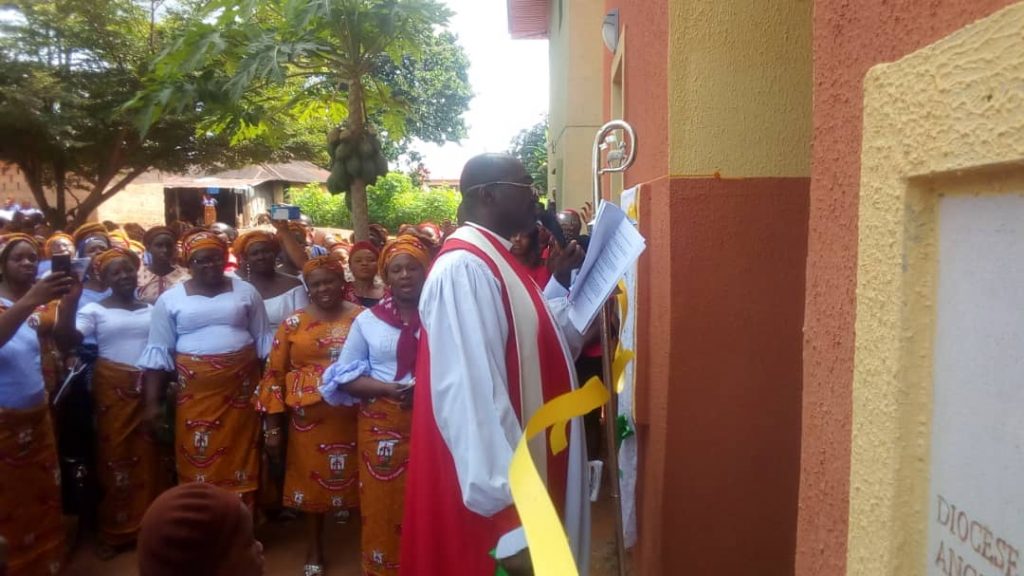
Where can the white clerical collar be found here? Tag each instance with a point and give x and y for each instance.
(504, 242)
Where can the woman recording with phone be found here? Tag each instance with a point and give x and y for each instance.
(29, 475)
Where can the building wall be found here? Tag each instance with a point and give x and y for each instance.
(936, 366)
(740, 88)
(575, 60)
(644, 69)
(259, 202)
(722, 282)
(849, 38)
(13, 185)
(139, 203)
(719, 383)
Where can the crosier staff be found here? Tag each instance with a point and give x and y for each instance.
(602, 141)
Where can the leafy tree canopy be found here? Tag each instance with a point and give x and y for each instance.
(68, 68)
(531, 147)
(263, 66)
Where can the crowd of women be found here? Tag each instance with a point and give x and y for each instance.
(275, 364)
(266, 363)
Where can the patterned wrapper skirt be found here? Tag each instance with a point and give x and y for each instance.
(383, 458)
(30, 502)
(127, 458)
(216, 428)
(321, 472)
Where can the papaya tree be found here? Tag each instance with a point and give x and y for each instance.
(374, 73)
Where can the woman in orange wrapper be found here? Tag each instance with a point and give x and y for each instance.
(377, 366)
(213, 331)
(321, 470)
(127, 457)
(30, 500)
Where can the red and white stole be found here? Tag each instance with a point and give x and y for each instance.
(536, 360)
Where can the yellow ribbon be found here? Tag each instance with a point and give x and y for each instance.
(622, 358)
(623, 299)
(549, 546)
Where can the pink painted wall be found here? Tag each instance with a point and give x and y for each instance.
(645, 25)
(849, 38)
(719, 342)
(718, 390)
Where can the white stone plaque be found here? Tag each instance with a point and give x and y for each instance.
(976, 500)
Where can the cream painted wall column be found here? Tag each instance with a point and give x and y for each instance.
(576, 54)
(944, 122)
(739, 88)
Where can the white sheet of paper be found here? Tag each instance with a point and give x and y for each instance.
(615, 244)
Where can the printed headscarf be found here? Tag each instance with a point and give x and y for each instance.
(155, 231)
(387, 310)
(104, 259)
(431, 231)
(242, 243)
(332, 242)
(137, 247)
(329, 262)
(119, 239)
(48, 246)
(365, 245)
(86, 230)
(8, 241)
(405, 244)
(201, 240)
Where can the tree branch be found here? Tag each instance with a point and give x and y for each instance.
(113, 163)
(126, 180)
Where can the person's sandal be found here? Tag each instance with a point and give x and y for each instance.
(313, 570)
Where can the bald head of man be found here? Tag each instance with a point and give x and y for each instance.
(571, 224)
(498, 194)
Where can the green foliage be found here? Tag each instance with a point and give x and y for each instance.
(265, 66)
(326, 209)
(434, 205)
(69, 72)
(393, 201)
(531, 147)
(382, 63)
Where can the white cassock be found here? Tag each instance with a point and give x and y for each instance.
(463, 311)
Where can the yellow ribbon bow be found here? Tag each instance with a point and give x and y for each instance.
(548, 544)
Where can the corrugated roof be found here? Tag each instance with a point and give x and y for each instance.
(528, 19)
(304, 172)
(300, 172)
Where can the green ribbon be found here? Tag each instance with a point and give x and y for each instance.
(499, 570)
(623, 428)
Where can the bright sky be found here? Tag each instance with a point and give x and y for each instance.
(509, 79)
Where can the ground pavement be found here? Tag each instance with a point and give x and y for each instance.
(285, 549)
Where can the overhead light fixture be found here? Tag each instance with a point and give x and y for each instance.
(610, 30)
